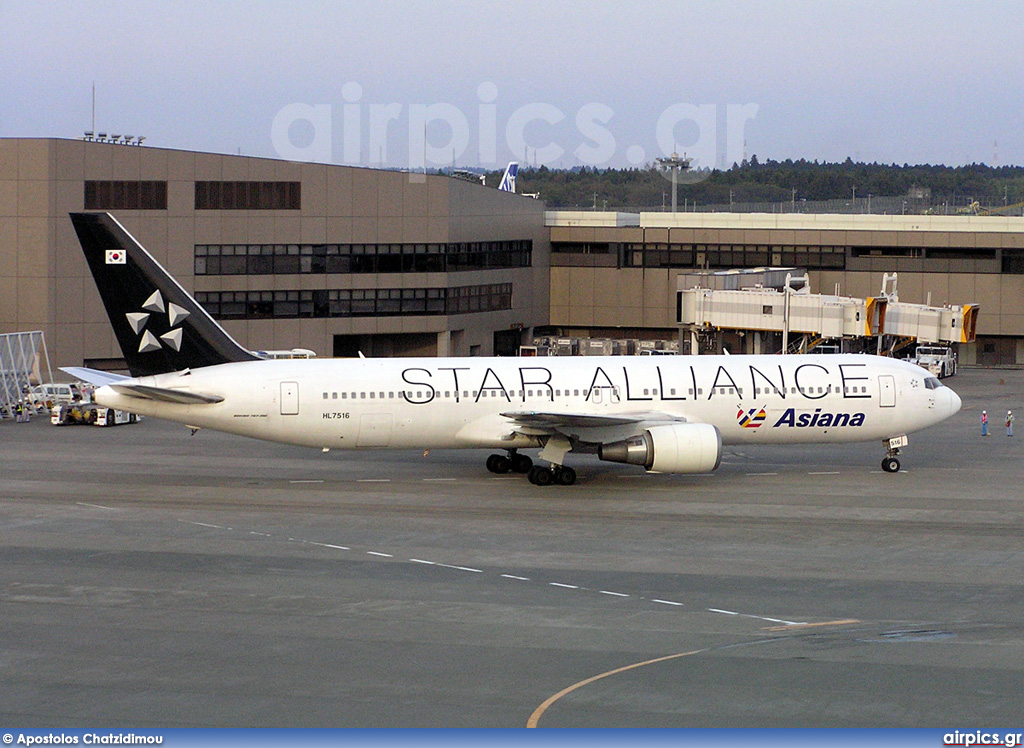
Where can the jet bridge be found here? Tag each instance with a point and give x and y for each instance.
(758, 310)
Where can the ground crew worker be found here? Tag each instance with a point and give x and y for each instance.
(984, 423)
(1009, 423)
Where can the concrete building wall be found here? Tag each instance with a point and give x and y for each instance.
(44, 282)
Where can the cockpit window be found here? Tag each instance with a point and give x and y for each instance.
(931, 383)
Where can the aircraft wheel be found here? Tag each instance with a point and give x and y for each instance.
(498, 464)
(521, 463)
(566, 476)
(540, 476)
(891, 465)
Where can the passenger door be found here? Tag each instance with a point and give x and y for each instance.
(289, 398)
(886, 391)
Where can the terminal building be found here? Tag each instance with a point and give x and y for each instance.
(338, 260)
(611, 271)
(344, 260)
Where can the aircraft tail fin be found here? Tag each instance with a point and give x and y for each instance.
(508, 179)
(158, 325)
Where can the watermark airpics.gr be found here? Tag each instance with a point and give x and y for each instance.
(419, 136)
(979, 737)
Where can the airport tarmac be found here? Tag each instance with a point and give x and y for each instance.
(150, 578)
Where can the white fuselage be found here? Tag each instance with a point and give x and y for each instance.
(459, 402)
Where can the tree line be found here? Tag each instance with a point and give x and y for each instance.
(769, 181)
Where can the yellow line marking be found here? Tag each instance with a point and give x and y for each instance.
(539, 711)
(844, 622)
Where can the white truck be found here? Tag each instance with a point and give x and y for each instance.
(940, 360)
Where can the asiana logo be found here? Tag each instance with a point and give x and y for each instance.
(155, 305)
(817, 419)
(751, 419)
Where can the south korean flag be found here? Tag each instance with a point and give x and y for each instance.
(116, 257)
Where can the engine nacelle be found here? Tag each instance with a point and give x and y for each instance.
(677, 448)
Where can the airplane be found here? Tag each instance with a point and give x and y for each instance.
(668, 414)
(508, 179)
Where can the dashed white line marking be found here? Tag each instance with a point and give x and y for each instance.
(480, 571)
(439, 480)
(777, 620)
(96, 506)
(759, 474)
(374, 480)
(825, 472)
(461, 568)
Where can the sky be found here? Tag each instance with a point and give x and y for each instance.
(607, 84)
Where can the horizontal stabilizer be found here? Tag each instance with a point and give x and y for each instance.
(164, 394)
(93, 376)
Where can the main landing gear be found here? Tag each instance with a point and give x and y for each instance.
(891, 463)
(515, 462)
(560, 475)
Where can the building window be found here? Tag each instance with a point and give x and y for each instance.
(357, 302)
(121, 195)
(248, 195)
(323, 259)
(1013, 261)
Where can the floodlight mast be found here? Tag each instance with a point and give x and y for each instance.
(674, 164)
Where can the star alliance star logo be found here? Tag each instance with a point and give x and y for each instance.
(147, 340)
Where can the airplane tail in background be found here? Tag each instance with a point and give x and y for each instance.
(508, 179)
(158, 325)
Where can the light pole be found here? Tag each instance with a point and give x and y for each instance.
(674, 164)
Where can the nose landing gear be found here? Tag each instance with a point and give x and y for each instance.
(892, 448)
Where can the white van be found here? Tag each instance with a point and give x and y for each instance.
(50, 395)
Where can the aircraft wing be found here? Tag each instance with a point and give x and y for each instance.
(165, 394)
(596, 429)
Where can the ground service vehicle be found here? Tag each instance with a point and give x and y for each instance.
(94, 414)
(938, 359)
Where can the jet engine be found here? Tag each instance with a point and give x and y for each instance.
(676, 448)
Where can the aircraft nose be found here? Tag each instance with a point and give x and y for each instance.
(954, 402)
